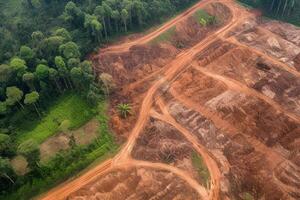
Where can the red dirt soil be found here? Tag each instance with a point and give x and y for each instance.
(231, 94)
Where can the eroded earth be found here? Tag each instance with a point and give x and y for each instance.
(228, 93)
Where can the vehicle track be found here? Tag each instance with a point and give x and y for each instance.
(168, 74)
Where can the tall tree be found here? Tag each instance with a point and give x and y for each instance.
(19, 66)
(69, 50)
(31, 99)
(5, 169)
(28, 78)
(116, 17)
(124, 16)
(14, 95)
(100, 14)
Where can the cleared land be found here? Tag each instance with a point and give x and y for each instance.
(212, 102)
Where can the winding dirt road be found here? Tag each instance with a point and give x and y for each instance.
(168, 74)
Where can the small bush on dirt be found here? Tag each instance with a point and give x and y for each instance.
(124, 109)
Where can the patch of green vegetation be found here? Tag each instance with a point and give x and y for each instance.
(71, 107)
(67, 163)
(247, 196)
(165, 36)
(201, 168)
(203, 18)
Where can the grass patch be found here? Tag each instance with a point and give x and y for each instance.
(201, 168)
(247, 196)
(68, 163)
(165, 36)
(203, 18)
(70, 107)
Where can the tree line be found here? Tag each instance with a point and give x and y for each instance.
(288, 10)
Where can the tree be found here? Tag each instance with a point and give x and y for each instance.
(108, 82)
(32, 98)
(26, 53)
(5, 73)
(116, 17)
(14, 95)
(37, 38)
(107, 12)
(30, 149)
(77, 77)
(100, 14)
(73, 62)
(94, 26)
(5, 169)
(124, 109)
(49, 46)
(53, 76)
(5, 143)
(28, 78)
(62, 70)
(42, 72)
(73, 14)
(19, 66)
(3, 108)
(62, 32)
(69, 50)
(124, 16)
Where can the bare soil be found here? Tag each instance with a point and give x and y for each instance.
(229, 92)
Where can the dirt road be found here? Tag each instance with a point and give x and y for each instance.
(168, 74)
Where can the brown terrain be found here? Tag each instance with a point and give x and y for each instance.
(228, 93)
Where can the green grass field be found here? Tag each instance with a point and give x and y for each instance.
(70, 107)
(201, 168)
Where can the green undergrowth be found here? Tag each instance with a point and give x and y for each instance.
(165, 36)
(71, 107)
(68, 163)
(201, 168)
(203, 18)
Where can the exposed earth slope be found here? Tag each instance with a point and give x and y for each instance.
(228, 92)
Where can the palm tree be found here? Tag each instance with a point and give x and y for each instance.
(124, 109)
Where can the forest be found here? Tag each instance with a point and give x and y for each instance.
(286, 10)
(43, 49)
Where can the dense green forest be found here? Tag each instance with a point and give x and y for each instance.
(286, 10)
(44, 74)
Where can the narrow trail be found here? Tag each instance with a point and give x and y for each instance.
(278, 63)
(209, 162)
(237, 86)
